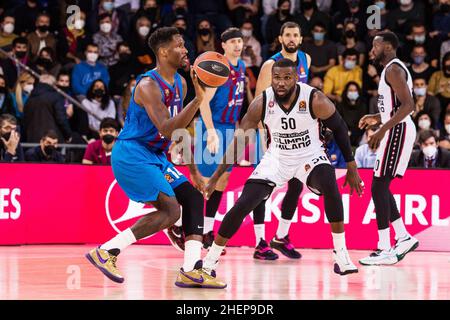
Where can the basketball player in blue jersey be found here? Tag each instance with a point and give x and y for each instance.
(225, 104)
(290, 39)
(142, 170)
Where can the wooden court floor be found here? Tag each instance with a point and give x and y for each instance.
(62, 272)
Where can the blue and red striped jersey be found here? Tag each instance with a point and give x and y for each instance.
(302, 65)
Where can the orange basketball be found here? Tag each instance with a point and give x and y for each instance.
(212, 69)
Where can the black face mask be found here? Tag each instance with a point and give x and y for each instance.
(125, 57)
(350, 34)
(43, 28)
(21, 54)
(151, 13)
(181, 30)
(108, 138)
(99, 93)
(445, 8)
(285, 12)
(204, 32)
(49, 150)
(44, 63)
(180, 11)
(6, 136)
(65, 89)
(307, 5)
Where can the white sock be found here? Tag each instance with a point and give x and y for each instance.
(283, 228)
(260, 232)
(213, 256)
(339, 241)
(192, 254)
(399, 228)
(121, 241)
(384, 242)
(179, 221)
(208, 225)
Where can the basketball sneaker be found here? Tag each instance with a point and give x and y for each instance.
(106, 263)
(404, 246)
(342, 263)
(380, 258)
(199, 278)
(285, 246)
(176, 237)
(264, 252)
(208, 239)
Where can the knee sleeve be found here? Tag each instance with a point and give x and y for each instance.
(381, 196)
(192, 203)
(254, 192)
(259, 213)
(213, 203)
(323, 179)
(395, 214)
(290, 200)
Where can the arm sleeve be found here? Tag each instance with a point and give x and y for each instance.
(340, 132)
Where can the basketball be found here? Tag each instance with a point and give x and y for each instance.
(212, 69)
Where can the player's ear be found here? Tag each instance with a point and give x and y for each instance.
(223, 46)
(280, 39)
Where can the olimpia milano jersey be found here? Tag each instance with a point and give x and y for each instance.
(293, 132)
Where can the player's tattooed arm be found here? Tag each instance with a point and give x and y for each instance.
(249, 122)
(148, 95)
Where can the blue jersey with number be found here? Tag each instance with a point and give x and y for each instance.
(138, 125)
(302, 65)
(227, 102)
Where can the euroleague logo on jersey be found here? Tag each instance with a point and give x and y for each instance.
(122, 212)
(271, 104)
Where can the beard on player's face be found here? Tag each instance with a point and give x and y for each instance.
(289, 48)
(283, 98)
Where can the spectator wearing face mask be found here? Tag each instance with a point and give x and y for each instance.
(441, 21)
(242, 10)
(6, 102)
(350, 41)
(63, 83)
(444, 136)
(99, 151)
(418, 35)
(419, 68)
(98, 102)
(123, 70)
(106, 40)
(338, 76)
(119, 17)
(25, 15)
(274, 23)
(439, 84)
(364, 156)
(402, 17)
(180, 9)
(47, 151)
(139, 47)
(309, 16)
(45, 111)
(352, 108)
(46, 62)
(86, 72)
(10, 148)
(73, 40)
(423, 122)
(10, 68)
(251, 54)
(349, 10)
(430, 154)
(206, 39)
(41, 37)
(7, 34)
(322, 51)
(180, 23)
(425, 102)
(20, 94)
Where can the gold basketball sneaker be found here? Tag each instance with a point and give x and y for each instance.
(106, 263)
(198, 278)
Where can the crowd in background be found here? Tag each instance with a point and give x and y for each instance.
(96, 55)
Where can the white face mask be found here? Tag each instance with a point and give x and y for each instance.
(429, 151)
(420, 91)
(424, 124)
(349, 64)
(353, 95)
(106, 27)
(8, 28)
(28, 88)
(405, 2)
(447, 128)
(247, 33)
(143, 31)
(92, 57)
(79, 24)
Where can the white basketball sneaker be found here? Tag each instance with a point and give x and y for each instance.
(404, 246)
(380, 258)
(342, 263)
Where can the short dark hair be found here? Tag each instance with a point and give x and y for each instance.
(43, 14)
(20, 40)
(161, 37)
(320, 24)
(90, 44)
(109, 123)
(50, 134)
(390, 38)
(289, 24)
(350, 52)
(7, 117)
(63, 73)
(103, 16)
(425, 135)
(284, 63)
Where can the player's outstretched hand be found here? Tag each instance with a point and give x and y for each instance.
(368, 120)
(353, 180)
(197, 181)
(199, 89)
(212, 141)
(209, 188)
(375, 139)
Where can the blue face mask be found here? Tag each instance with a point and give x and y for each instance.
(380, 4)
(353, 95)
(108, 6)
(418, 59)
(319, 36)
